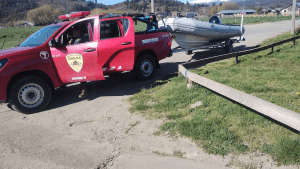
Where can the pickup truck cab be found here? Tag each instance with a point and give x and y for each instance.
(78, 51)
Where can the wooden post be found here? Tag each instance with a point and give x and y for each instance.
(236, 58)
(272, 48)
(294, 41)
(293, 17)
(179, 71)
(152, 6)
(189, 83)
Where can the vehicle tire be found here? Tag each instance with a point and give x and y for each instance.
(145, 67)
(29, 94)
(189, 52)
(229, 48)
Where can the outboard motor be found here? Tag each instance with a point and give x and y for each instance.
(216, 20)
(191, 15)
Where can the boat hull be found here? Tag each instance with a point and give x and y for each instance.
(190, 41)
(192, 33)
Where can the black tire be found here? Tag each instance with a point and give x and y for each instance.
(229, 48)
(145, 67)
(189, 52)
(29, 94)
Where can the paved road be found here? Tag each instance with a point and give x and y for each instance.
(99, 132)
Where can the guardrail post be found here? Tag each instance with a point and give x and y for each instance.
(236, 58)
(272, 48)
(294, 41)
(189, 83)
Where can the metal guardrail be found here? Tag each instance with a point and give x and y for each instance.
(280, 114)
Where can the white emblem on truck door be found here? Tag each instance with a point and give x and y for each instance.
(150, 40)
(75, 61)
(44, 54)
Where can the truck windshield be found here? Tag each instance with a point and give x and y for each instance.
(40, 36)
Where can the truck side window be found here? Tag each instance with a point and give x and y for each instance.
(140, 26)
(81, 32)
(113, 28)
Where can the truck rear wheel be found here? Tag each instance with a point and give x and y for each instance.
(29, 95)
(145, 67)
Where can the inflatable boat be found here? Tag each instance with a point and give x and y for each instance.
(192, 33)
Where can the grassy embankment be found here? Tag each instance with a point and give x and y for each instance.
(221, 126)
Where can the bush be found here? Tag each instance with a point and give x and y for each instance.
(43, 15)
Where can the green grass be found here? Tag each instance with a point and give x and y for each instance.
(253, 20)
(12, 36)
(221, 126)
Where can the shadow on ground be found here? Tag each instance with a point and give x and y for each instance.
(126, 83)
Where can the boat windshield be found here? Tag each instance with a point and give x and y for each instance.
(215, 19)
(40, 36)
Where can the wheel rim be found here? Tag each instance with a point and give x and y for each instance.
(146, 67)
(31, 95)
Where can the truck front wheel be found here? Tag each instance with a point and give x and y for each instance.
(29, 95)
(145, 67)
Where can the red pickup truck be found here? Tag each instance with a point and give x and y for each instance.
(78, 51)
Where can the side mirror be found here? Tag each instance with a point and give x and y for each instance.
(52, 43)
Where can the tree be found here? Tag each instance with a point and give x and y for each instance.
(229, 6)
(165, 8)
(43, 15)
(258, 10)
(213, 10)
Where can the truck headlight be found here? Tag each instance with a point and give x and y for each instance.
(2, 63)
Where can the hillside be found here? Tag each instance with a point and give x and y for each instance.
(14, 11)
(144, 6)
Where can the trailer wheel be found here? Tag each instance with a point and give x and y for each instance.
(229, 48)
(29, 95)
(145, 67)
(189, 52)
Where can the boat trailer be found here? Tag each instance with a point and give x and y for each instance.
(226, 45)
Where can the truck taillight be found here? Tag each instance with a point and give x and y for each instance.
(170, 40)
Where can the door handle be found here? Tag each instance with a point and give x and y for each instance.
(126, 43)
(90, 50)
